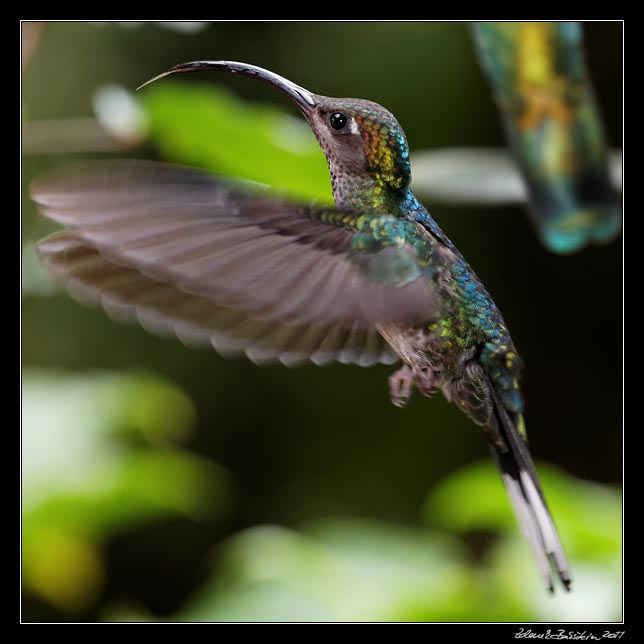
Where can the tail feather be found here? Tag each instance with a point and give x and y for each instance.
(520, 478)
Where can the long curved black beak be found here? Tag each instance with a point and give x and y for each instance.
(301, 97)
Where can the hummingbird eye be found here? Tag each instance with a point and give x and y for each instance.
(338, 120)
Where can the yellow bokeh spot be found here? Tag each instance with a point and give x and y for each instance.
(63, 568)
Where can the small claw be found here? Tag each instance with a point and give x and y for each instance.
(400, 386)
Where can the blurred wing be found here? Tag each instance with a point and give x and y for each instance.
(244, 250)
(161, 308)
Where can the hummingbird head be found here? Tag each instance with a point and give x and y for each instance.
(365, 147)
(361, 138)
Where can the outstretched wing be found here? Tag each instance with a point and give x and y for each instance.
(244, 253)
(161, 308)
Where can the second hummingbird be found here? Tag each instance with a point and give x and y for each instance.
(373, 280)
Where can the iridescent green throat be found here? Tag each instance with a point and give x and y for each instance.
(367, 193)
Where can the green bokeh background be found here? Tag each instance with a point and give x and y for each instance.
(212, 489)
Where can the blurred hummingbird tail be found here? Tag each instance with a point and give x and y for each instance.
(520, 478)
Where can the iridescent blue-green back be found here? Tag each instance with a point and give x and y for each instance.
(470, 326)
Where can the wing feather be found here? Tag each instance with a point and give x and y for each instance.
(161, 308)
(243, 249)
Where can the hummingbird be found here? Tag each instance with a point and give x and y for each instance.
(372, 280)
(544, 93)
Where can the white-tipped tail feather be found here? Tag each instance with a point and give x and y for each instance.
(520, 478)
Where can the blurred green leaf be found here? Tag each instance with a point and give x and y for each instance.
(74, 425)
(264, 600)
(98, 456)
(89, 458)
(354, 570)
(141, 486)
(360, 570)
(210, 128)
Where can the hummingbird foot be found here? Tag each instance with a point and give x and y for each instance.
(424, 379)
(401, 383)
